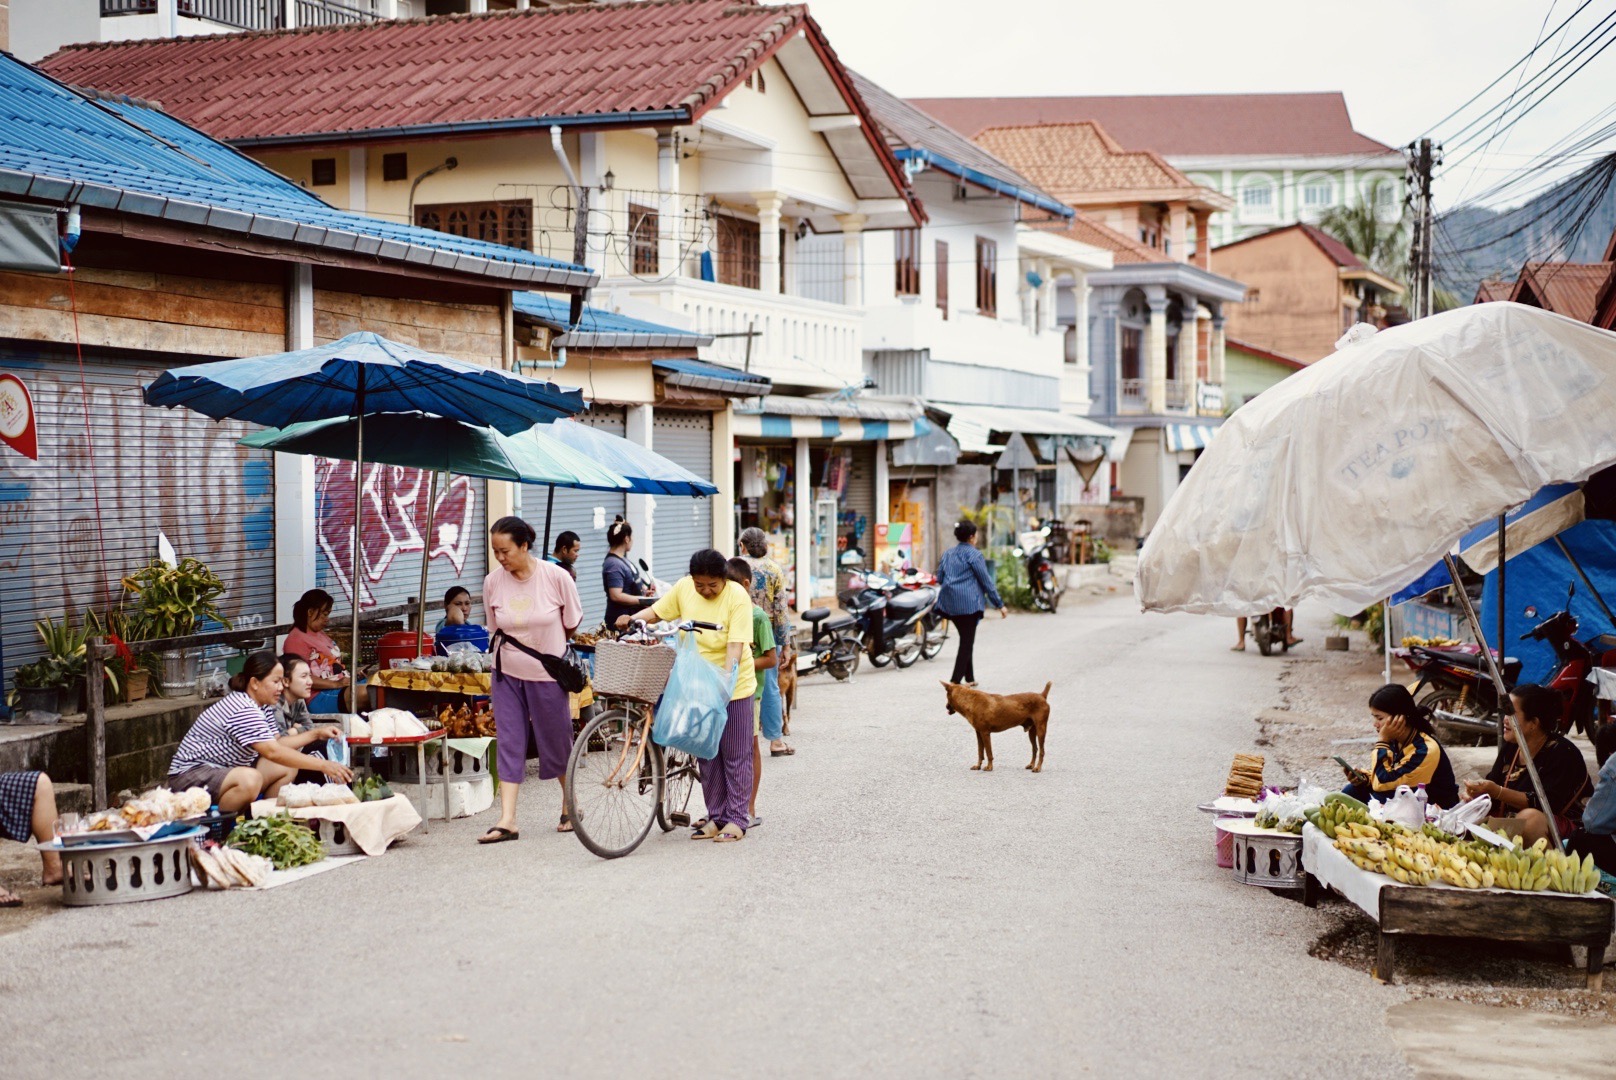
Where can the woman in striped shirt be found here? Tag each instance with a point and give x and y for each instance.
(235, 749)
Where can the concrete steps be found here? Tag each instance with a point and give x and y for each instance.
(141, 740)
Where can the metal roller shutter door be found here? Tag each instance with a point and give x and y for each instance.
(575, 510)
(683, 524)
(861, 497)
(396, 532)
(154, 470)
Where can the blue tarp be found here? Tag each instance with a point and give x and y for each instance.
(1539, 578)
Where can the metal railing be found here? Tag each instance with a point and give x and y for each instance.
(331, 13)
(128, 7)
(1180, 394)
(241, 14)
(1133, 395)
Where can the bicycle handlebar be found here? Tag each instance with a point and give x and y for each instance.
(666, 629)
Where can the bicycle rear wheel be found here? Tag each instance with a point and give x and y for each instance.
(614, 783)
(681, 774)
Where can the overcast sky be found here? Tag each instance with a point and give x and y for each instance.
(1402, 65)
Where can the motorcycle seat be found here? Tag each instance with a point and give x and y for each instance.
(1511, 667)
(909, 601)
(823, 625)
(816, 614)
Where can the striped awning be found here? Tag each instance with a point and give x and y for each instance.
(1189, 436)
(839, 428)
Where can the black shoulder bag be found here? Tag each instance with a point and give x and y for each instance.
(568, 677)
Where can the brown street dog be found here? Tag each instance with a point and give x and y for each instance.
(988, 713)
(788, 684)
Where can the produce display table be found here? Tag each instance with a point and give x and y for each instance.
(435, 683)
(424, 778)
(1444, 911)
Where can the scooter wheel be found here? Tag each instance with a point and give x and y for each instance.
(906, 654)
(843, 662)
(882, 659)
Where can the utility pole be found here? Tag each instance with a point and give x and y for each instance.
(1423, 158)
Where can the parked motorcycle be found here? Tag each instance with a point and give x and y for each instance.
(891, 619)
(834, 646)
(1462, 696)
(1269, 631)
(1041, 577)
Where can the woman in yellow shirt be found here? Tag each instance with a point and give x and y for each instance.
(708, 595)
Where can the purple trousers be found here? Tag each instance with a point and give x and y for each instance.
(531, 715)
(726, 780)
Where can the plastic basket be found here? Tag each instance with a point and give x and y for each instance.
(1225, 848)
(631, 671)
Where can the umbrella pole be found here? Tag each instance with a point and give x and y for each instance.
(1577, 566)
(549, 506)
(1503, 557)
(1386, 635)
(1503, 694)
(426, 559)
(358, 538)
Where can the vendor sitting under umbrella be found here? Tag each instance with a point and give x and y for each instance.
(1406, 752)
(1560, 766)
(456, 624)
(1596, 835)
(235, 749)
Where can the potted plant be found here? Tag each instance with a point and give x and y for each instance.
(69, 649)
(37, 687)
(125, 631)
(172, 601)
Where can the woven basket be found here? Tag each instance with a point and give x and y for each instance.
(631, 671)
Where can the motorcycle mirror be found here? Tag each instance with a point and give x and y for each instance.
(1531, 611)
(645, 566)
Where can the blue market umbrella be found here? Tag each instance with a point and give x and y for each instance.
(357, 375)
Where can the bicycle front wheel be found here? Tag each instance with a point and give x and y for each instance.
(614, 783)
(681, 777)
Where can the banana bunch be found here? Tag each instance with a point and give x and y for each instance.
(1438, 835)
(1539, 867)
(1339, 810)
(1464, 867)
(1366, 854)
(1419, 858)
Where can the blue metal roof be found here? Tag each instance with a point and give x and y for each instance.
(603, 329)
(701, 375)
(123, 155)
(1028, 195)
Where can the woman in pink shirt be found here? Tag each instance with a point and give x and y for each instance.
(536, 603)
(308, 639)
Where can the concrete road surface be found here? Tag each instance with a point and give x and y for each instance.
(895, 915)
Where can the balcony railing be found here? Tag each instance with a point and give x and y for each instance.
(1133, 396)
(1180, 394)
(128, 7)
(241, 14)
(331, 13)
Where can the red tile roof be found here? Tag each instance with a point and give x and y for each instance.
(607, 60)
(1210, 125)
(1339, 253)
(1124, 249)
(1066, 159)
(1493, 289)
(1570, 289)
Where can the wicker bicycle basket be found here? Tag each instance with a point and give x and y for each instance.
(631, 671)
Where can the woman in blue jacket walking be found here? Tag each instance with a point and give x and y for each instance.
(963, 582)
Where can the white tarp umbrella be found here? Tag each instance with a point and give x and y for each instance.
(1348, 480)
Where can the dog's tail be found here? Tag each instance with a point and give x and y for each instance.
(1047, 685)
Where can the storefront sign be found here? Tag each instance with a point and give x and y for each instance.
(894, 546)
(17, 417)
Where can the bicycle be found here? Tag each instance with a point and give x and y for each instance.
(619, 780)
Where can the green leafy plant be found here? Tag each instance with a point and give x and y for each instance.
(281, 839)
(1371, 620)
(172, 601)
(46, 673)
(1099, 550)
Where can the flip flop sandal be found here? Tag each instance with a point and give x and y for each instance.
(707, 831)
(754, 823)
(729, 834)
(787, 752)
(498, 835)
(565, 825)
(9, 899)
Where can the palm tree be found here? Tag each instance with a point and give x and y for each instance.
(1380, 241)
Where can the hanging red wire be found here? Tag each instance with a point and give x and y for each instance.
(89, 437)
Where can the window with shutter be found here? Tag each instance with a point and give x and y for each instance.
(906, 260)
(942, 278)
(643, 228)
(987, 277)
(508, 222)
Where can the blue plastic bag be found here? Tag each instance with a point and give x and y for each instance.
(695, 704)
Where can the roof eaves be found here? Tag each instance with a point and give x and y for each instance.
(1031, 197)
(470, 127)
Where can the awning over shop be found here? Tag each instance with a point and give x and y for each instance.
(701, 375)
(974, 426)
(1189, 436)
(843, 419)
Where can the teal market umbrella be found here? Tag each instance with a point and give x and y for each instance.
(438, 444)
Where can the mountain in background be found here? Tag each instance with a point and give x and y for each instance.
(1539, 228)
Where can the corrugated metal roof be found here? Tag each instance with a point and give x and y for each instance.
(1570, 289)
(915, 136)
(601, 329)
(587, 60)
(861, 408)
(701, 375)
(127, 156)
(1209, 125)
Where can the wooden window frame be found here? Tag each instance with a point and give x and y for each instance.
(987, 277)
(906, 261)
(942, 277)
(501, 221)
(323, 172)
(644, 239)
(740, 256)
(1130, 339)
(395, 166)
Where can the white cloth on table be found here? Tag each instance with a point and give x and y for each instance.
(373, 825)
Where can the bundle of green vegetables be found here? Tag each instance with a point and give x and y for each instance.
(372, 789)
(281, 839)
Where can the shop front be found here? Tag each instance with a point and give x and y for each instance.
(812, 474)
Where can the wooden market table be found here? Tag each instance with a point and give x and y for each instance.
(1444, 911)
(423, 778)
